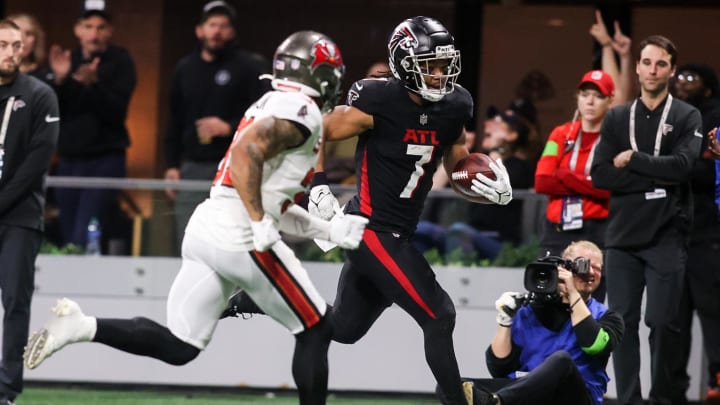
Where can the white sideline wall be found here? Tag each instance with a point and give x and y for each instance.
(257, 352)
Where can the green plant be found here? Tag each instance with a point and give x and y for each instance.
(459, 257)
(520, 256)
(310, 252)
(509, 256)
(50, 248)
(434, 257)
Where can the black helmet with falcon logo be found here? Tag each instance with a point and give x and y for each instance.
(416, 46)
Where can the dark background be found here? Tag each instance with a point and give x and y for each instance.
(501, 42)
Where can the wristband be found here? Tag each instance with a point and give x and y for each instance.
(576, 301)
(319, 179)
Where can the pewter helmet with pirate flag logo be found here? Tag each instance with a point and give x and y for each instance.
(309, 62)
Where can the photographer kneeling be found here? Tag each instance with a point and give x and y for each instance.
(553, 343)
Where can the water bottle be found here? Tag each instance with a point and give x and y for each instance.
(2, 154)
(94, 234)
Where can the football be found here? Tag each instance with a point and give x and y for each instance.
(465, 171)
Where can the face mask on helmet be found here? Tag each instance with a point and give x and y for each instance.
(311, 63)
(423, 56)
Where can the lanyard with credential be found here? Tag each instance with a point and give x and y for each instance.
(576, 152)
(3, 130)
(658, 135)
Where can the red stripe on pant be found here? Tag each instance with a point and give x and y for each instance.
(365, 202)
(288, 287)
(373, 243)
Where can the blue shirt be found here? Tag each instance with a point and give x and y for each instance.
(538, 343)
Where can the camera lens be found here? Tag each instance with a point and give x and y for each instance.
(542, 280)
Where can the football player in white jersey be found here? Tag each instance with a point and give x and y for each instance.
(233, 238)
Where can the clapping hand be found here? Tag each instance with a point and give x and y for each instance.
(87, 72)
(60, 63)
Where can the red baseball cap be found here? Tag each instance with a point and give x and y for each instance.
(602, 80)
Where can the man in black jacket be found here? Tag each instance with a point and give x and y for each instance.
(94, 83)
(645, 157)
(29, 125)
(697, 84)
(211, 89)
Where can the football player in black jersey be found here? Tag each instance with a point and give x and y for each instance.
(405, 125)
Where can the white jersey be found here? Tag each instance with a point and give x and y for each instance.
(218, 254)
(222, 220)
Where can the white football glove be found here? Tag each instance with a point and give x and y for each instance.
(322, 203)
(507, 306)
(347, 230)
(265, 233)
(498, 191)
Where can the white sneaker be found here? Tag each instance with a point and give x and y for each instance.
(68, 325)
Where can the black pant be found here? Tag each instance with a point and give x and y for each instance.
(700, 293)
(555, 240)
(78, 206)
(386, 269)
(18, 250)
(659, 269)
(556, 381)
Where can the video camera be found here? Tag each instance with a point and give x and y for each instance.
(541, 276)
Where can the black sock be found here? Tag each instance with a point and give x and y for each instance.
(144, 337)
(310, 363)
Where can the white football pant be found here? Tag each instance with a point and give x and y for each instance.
(275, 280)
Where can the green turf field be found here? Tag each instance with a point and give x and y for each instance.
(84, 396)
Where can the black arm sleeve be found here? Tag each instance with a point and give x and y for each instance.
(500, 368)
(599, 337)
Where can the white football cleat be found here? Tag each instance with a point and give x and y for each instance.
(68, 325)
